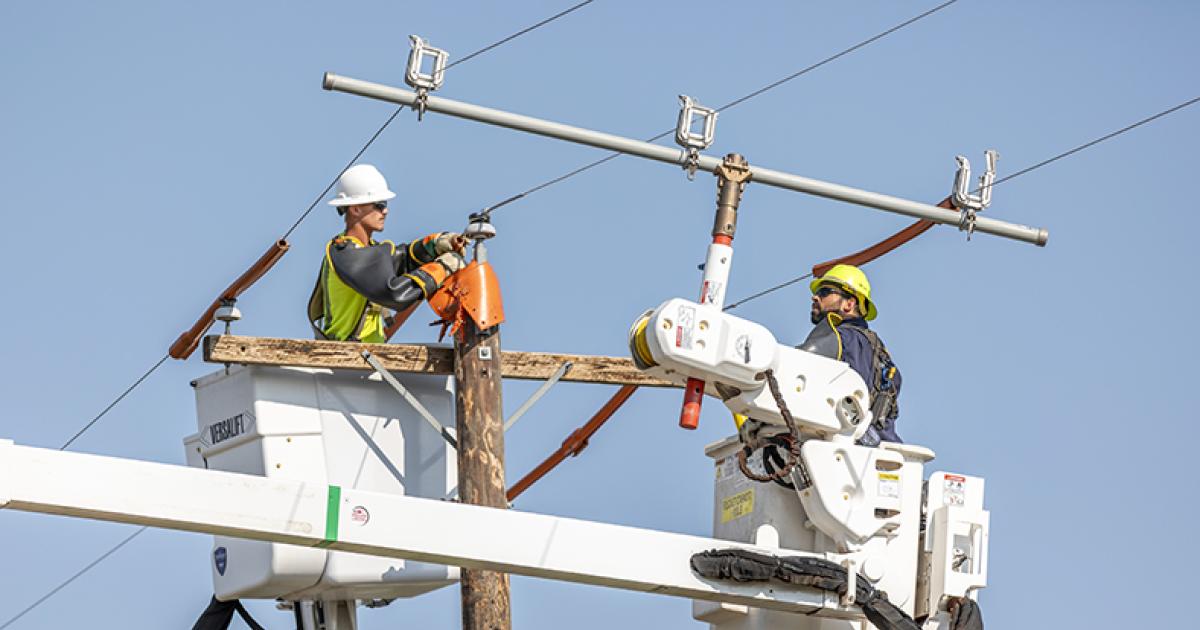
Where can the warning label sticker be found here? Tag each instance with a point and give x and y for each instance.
(737, 506)
(889, 485)
(709, 292)
(954, 490)
(683, 329)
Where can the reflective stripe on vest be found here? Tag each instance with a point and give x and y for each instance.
(348, 316)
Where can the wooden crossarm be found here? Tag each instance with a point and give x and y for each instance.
(425, 359)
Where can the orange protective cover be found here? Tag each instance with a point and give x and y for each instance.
(472, 292)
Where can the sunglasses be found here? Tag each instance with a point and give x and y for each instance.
(825, 291)
(380, 205)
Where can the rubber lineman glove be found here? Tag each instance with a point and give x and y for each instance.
(449, 242)
(452, 261)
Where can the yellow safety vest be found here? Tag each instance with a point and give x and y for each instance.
(345, 314)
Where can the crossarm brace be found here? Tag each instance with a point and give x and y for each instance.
(410, 399)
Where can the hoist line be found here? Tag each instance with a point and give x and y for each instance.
(295, 225)
(1019, 173)
(733, 103)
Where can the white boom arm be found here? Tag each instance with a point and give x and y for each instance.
(681, 339)
(316, 515)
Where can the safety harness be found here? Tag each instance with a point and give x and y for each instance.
(885, 387)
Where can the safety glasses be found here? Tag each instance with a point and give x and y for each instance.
(826, 290)
(380, 205)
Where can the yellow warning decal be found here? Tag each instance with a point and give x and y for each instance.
(737, 506)
(889, 485)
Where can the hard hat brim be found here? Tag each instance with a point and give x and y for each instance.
(871, 312)
(339, 202)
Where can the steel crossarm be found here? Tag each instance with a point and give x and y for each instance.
(674, 155)
(317, 515)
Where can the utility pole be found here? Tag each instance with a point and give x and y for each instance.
(480, 421)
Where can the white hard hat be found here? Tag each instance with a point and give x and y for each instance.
(361, 183)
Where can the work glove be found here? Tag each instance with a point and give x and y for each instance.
(452, 261)
(447, 242)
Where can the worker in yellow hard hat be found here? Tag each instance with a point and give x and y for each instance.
(841, 308)
(360, 277)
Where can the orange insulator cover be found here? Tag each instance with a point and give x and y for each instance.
(473, 292)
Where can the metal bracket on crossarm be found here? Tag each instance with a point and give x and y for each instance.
(424, 82)
(969, 205)
(537, 395)
(694, 142)
(410, 399)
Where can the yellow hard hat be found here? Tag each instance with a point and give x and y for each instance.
(854, 281)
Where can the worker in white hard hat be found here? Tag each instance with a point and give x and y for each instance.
(360, 277)
(841, 308)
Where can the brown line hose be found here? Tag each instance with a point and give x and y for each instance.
(888, 244)
(575, 443)
(186, 344)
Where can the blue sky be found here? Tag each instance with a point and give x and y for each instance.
(150, 151)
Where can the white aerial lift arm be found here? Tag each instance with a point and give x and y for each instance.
(307, 514)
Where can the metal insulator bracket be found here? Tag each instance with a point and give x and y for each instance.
(424, 82)
(693, 142)
(969, 205)
(479, 227)
(228, 313)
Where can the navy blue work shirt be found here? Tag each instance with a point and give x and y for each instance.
(845, 341)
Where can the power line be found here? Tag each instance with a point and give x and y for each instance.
(345, 168)
(329, 187)
(1015, 175)
(112, 404)
(60, 587)
(520, 33)
(295, 225)
(1097, 140)
(386, 123)
(733, 103)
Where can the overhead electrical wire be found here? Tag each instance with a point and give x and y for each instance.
(330, 186)
(112, 404)
(388, 122)
(562, 178)
(60, 587)
(295, 225)
(731, 104)
(1028, 169)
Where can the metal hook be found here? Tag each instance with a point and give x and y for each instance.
(691, 141)
(424, 82)
(971, 204)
